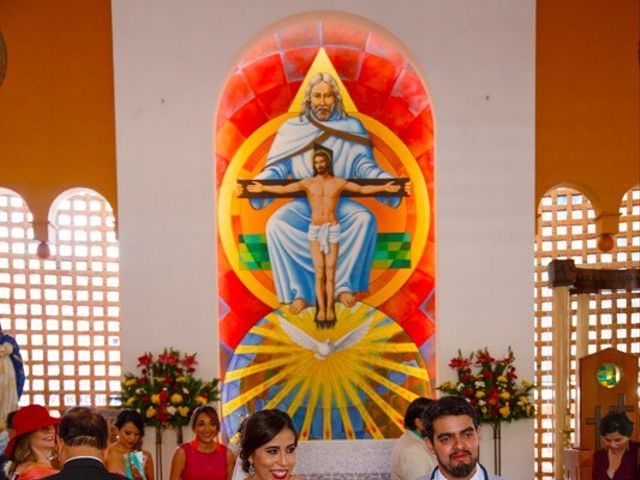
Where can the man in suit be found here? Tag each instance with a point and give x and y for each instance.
(83, 438)
(451, 428)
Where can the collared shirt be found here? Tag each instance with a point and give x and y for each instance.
(83, 456)
(480, 474)
(476, 476)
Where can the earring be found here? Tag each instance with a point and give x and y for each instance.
(251, 469)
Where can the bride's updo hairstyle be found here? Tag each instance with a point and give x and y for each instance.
(260, 428)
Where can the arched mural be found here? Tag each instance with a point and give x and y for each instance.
(324, 160)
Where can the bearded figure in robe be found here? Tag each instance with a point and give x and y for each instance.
(324, 122)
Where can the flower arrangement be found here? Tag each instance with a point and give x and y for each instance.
(165, 392)
(492, 389)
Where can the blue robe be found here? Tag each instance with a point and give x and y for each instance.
(16, 361)
(289, 252)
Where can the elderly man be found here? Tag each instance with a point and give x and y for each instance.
(83, 437)
(322, 121)
(451, 428)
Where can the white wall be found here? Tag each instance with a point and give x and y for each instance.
(171, 62)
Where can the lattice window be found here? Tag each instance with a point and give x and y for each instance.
(63, 311)
(566, 230)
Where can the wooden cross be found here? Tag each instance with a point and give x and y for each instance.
(595, 420)
(360, 181)
(621, 407)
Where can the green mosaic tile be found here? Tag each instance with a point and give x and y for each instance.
(392, 251)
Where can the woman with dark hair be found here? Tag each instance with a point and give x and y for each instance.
(268, 446)
(618, 460)
(204, 457)
(126, 456)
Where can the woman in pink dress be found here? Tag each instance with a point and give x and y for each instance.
(32, 446)
(204, 457)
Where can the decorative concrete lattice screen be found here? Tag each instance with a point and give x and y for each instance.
(566, 229)
(63, 311)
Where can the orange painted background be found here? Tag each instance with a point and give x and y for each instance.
(57, 122)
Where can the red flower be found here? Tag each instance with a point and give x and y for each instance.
(144, 398)
(145, 360)
(459, 363)
(163, 416)
(465, 377)
(494, 397)
(487, 375)
(483, 356)
(164, 397)
(168, 358)
(189, 361)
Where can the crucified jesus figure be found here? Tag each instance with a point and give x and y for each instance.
(323, 191)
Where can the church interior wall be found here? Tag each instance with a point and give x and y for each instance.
(171, 63)
(482, 89)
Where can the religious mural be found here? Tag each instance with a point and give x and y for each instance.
(324, 143)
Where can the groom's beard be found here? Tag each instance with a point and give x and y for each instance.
(459, 468)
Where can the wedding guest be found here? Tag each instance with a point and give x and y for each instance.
(5, 435)
(32, 446)
(268, 446)
(126, 456)
(83, 436)
(618, 460)
(205, 456)
(235, 446)
(410, 458)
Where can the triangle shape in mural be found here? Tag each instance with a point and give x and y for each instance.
(322, 63)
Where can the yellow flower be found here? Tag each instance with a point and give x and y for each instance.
(181, 379)
(505, 395)
(176, 398)
(183, 411)
(130, 382)
(130, 401)
(504, 411)
(151, 412)
(523, 400)
(155, 398)
(202, 401)
(484, 410)
(527, 384)
(501, 379)
(479, 394)
(528, 409)
(446, 386)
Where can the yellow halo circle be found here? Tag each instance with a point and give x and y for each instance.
(228, 203)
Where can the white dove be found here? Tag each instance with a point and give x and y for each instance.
(322, 350)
